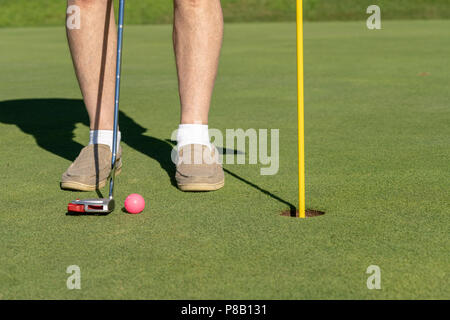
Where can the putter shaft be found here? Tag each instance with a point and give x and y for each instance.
(117, 96)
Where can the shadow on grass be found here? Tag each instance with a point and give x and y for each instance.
(292, 209)
(85, 214)
(52, 121)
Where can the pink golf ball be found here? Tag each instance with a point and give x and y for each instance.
(134, 203)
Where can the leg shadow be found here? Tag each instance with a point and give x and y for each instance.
(159, 150)
(52, 121)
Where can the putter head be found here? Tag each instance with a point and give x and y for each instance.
(103, 205)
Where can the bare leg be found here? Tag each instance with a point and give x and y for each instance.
(93, 49)
(197, 37)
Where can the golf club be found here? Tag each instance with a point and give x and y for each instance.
(106, 205)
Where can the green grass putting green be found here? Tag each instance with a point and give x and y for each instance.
(20, 13)
(377, 128)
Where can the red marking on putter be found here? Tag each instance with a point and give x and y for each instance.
(72, 207)
(95, 207)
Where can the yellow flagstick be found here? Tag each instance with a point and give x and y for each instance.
(300, 112)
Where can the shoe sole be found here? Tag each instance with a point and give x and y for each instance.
(201, 186)
(77, 186)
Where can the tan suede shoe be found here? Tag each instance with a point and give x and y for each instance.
(198, 169)
(91, 169)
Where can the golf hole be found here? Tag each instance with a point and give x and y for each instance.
(309, 213)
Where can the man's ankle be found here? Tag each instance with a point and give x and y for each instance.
(193, 134)
(104, 137)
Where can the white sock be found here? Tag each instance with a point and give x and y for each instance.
(103, 137)
(193, 134)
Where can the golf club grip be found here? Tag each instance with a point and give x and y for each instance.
(117, 93)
